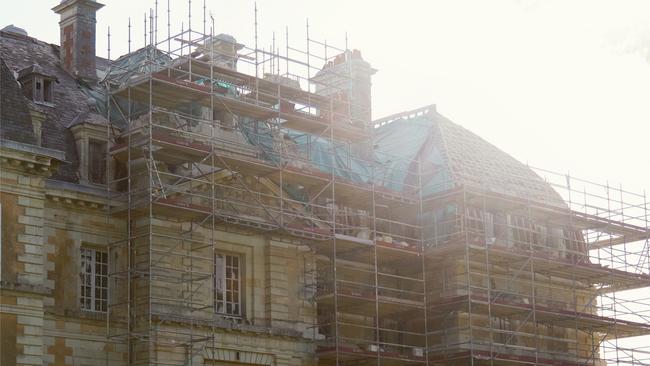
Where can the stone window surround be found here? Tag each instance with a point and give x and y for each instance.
(83, 134)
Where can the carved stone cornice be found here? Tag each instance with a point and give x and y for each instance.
(30, 159)
(74, 195)
(74, 202)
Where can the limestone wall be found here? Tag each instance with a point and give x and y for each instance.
(43, 229)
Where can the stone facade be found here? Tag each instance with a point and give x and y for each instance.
(44, 225)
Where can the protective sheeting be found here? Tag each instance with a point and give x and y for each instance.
(400, 145)
(145, 61)
(310, 151)
(426, 152)
(428, 147)
(391, 163)
(340, 159)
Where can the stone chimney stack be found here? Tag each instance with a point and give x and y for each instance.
(222, 50)
(348, 77)
(77, 27)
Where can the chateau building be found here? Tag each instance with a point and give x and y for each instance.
(199, 201)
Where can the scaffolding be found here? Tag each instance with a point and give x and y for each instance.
(205, 141)
(560, 282)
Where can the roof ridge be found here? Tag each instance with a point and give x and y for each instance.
(444, 147)
(405, 115)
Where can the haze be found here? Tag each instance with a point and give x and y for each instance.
(562, 85)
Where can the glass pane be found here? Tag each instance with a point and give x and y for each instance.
(94, 280)
(227, 284)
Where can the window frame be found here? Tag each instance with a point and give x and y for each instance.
(221, 304)
(38, 88)
(479, 221)
(47, 91)
(93, 300)
(90, 161)
(521, 229)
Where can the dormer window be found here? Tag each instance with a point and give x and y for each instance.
(36, 85)
(43, 92)
(91, 144)
(97, 161)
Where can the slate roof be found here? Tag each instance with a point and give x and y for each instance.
(15, 120)
(452, 156)
(472, 161)
(71, 100)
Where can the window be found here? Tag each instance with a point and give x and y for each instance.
(540, 235)
(480, 222)
(38, 93)
(47, 91)
(94, 280)
(37, 85)
(521, 228)
(227, 284)
(38, 88)
(97, 162)
(504, 334)
(91, 142)
(43, 90)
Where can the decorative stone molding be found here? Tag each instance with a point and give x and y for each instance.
(75, 196)
(28, 158)
(83, 133)
(74, 202)
(38, 118)
(25, 287)
(233, 355)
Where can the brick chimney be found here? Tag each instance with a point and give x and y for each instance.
(78, 36)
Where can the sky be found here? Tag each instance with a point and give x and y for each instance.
(558, 84)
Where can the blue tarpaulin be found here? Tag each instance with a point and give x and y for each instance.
(392, 163)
